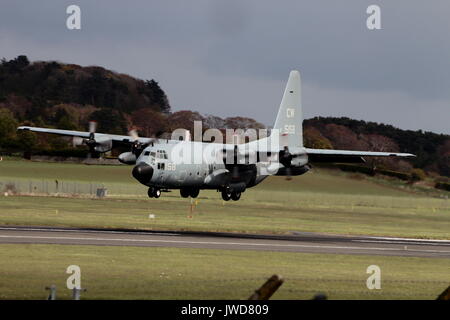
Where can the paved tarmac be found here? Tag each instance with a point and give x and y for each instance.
(296, 242)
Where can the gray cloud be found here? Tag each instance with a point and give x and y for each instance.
(233, 57)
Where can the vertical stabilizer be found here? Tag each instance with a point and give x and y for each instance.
(290, 116)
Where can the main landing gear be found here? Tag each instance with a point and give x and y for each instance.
(189, 192)
(154, 192)
(227, 194)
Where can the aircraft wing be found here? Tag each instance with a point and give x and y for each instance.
(348, 156)
(84, 134)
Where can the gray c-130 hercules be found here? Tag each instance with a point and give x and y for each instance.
(191, 166)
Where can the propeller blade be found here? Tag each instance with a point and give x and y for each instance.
(92, 126)
(133, 134)
(77, 141)
(288, 174)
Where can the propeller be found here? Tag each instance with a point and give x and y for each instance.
(96, 144)
(90, 142)
(137, 147)
(285, 157)
(78, 141)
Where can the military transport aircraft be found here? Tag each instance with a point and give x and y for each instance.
(229, 168)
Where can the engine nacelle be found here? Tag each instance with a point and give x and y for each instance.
(127, 158)
(103, 144)
(293, 171)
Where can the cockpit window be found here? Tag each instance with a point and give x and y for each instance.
(161, 154)
(146, 153)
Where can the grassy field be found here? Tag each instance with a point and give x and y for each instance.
(171, 273)
(319, 201)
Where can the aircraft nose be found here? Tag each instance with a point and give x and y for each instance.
(142, 173)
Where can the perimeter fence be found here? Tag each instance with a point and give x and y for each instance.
(55, 187)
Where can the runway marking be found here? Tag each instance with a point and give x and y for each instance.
(412, 243)
(368, 239)
(410, 239)
(222, 243)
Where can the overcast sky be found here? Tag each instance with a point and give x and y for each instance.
(233, 57)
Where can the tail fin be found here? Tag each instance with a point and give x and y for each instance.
(290, 115)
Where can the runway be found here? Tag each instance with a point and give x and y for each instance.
(296, 242)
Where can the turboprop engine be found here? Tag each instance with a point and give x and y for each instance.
(127, 158)
(100, 144)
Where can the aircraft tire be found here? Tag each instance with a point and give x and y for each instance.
(194, 193)
(156, 193)
(150, 192)
(226, 195)
(235, 196)
(184, 193)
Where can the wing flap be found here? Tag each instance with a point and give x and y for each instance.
(317, 158)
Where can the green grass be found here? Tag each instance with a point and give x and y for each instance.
(316, 181)
(327, 213)
(319, 201)
(172, 273)
(24, 169)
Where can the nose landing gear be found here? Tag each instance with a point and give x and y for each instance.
(154, 192)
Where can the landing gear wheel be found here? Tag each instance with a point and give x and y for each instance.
(235, 196)
(194, 193)
(184, 193)
(154, 192)
(226, 195)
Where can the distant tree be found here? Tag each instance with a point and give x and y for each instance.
(342, 137)
(213, 122)
(157, 95)
(418, 174)
(110, 121)
(312, 138)
(183, 120)
(149, 123)
(8, 127)
(26, 140)
(242, 123)
(443, 162)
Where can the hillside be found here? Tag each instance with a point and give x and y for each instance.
(432, 150)
(67, 96)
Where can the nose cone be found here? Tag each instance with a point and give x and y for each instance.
(143, 173)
